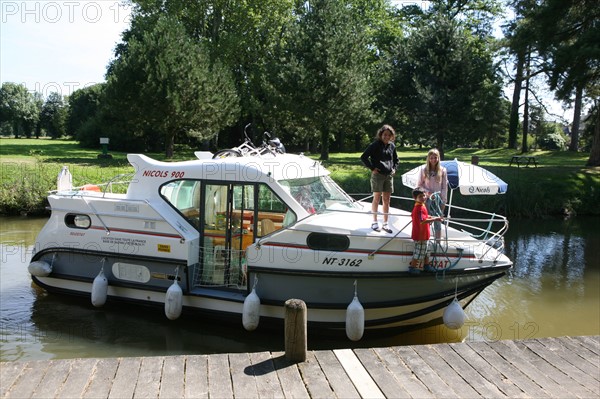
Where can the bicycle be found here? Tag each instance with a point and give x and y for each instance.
(247, 148)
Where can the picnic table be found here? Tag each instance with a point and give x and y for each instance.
(525, 160)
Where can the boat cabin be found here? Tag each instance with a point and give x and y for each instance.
(234, 202)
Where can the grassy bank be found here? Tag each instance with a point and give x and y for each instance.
(560, 184)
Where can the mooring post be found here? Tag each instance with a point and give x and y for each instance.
(295, 330)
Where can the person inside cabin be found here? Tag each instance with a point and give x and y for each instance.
(433, 179)
(421, 233)
(304, 198)
(382, 159)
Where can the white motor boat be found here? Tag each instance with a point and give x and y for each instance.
(236, 237)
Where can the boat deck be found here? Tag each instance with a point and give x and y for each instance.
(567, 367)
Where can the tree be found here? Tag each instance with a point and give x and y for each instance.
(38, 101)
(442, 76)
(164, 81)
(18, 108)
(490, 115)
(83, 105)
(594, 128)
(568, 32)
(321, 78)
(54, 115)
(242, 36)
(518, 39)
(442, 79)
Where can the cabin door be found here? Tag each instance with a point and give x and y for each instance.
(227, 230)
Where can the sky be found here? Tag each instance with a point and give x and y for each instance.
(65, 45)
(59, 46)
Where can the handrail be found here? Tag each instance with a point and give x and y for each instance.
(77, 190)
(492, 236)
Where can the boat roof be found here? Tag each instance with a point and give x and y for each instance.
(150, 173)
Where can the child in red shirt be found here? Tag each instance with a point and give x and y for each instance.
(420, 232)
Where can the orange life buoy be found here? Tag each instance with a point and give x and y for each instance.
(90, 187)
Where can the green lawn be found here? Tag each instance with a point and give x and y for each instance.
(560, 183)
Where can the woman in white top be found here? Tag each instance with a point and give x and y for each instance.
(434, 179)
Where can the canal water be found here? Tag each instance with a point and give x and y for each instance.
(553, 290)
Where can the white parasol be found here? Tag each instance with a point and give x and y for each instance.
(469, 179)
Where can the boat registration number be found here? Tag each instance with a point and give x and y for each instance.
(353, 262)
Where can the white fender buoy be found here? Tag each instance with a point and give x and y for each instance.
(355, 318)
(173, 301)
(251, 311)
(39, 268)
(454, 315)
(99, 289)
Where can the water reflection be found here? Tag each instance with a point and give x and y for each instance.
(553, 290)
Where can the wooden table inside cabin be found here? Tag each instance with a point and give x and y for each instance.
(218, 238)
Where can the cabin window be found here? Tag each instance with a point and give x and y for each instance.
(185, 196)
(327, 242)
(316, 194)
(78, 221)
(272, 209)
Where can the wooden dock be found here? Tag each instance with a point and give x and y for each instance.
(566, 367)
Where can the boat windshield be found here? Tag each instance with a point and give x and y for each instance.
(317, 194)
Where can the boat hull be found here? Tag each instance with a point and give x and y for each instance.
(390, 300)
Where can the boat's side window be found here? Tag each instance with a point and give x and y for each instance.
(273, 214)
(78, 221)
(185, 196)
(327, 242)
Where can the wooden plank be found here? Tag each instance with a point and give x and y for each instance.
(409, 382)
(242, 376)
(518, 357)
(587, 356)
(102, 379)
(550, 369)
(172, 382)
(424, 372)
(289, 377)
(314, 378)
(592, 343)
(148, 381)
(196, 376)
(340, 381)
(25, 386)
(267, 381)
(381, 375)
(358, 374)
(464, 369)
(9, 374)
(126, 377)
(485, 369)
(558, 361)
(511, 373)
(570, 355)
(445, 372)
(53, 379)
(219, 379)
(78, 378)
